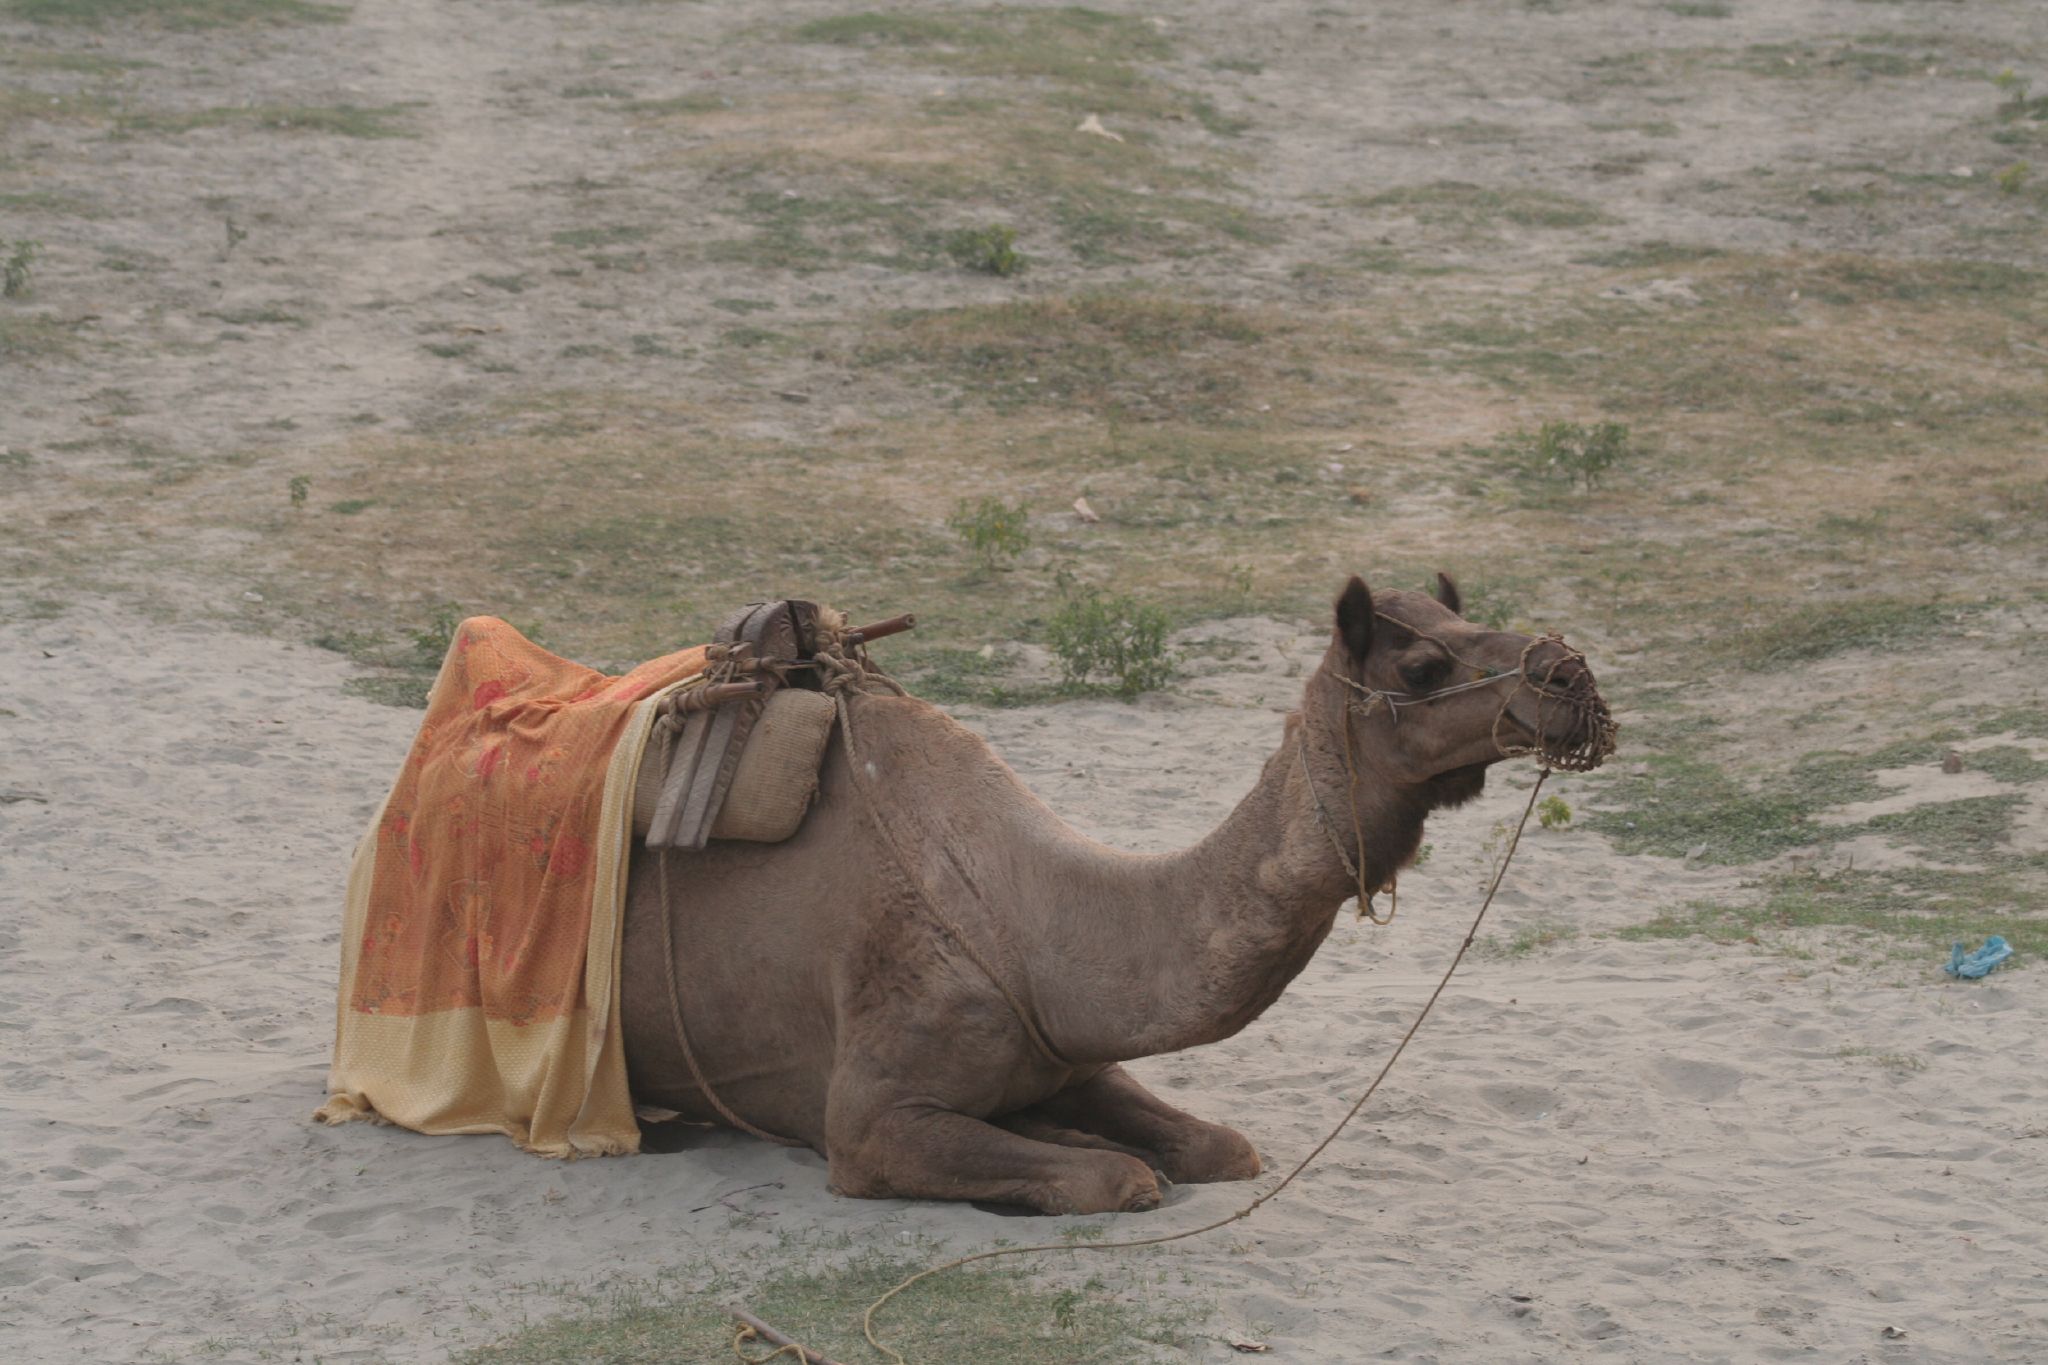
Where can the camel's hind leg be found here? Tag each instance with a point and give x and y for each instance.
(926, 1153)
(1114, 1106)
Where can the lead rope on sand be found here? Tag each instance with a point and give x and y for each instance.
(868, 1318)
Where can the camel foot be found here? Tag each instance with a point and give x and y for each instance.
(1129, 1186)
(1190, 1151)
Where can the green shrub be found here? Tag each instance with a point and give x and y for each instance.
(1553, 813)
(986, 250)
(1580, 454)
(1117, 639)
(993, 529)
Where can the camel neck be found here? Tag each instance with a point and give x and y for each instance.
(1171, 951)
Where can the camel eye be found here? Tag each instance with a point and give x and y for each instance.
(1424, 675)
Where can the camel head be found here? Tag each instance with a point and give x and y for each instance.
(1434, 699)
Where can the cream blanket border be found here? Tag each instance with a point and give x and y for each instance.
(578, 1059)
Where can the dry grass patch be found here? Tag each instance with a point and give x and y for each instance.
(1087, 57)
(1460, 206)
(339, 120)
(907, 168)
(1004, 146)
(20, 107)
(175, 14)
(1132, 354)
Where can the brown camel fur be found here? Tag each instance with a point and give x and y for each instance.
(825, 1004)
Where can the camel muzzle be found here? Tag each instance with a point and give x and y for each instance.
(1574, 731)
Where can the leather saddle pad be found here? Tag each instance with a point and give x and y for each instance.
(708, 749)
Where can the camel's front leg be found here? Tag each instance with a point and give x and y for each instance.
(918, 1152)
(1112, 1105)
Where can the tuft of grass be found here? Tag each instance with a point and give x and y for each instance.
(266, 314)
(30, 337)
(992, 1317)
(948, 674)
(1823, 629)
(1459, 204)
(1009, 138)
(1125, 352)
(1069, 46)
(175, 14)
(1683, 804)
(1899, 1063)
(811, 232)
(2008, 763)
(1531, 938)
(335, 120)
(1806, 61)
(703, 102)
(1949, 831)
(1649, 254)
(1916, 914)
(614, 235)
(24, 105)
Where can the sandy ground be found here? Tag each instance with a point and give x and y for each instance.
(1638, 1151)
(1630, 1151)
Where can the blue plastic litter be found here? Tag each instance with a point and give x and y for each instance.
(1962, 965)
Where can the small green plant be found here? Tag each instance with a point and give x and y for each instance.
(993, 529)
(2017, 103)
(1526, 941)
(299, 487)
(1118, 639)
(1553, 813)
(430, 642)
(1237, 580)
(15, 270)
(2012, 177)
(1581, 454)
(986, 250)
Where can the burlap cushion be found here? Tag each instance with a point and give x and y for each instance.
(777, 774)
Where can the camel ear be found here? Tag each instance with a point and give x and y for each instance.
(1447, 593)
(1354, 617)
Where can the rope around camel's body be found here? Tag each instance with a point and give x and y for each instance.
(868, 1318)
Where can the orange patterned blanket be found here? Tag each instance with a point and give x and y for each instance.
(480, 949)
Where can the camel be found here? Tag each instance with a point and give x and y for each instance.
(824, 1004)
